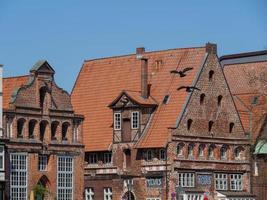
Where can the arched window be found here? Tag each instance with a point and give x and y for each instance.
(211, 152)
(223, 152)
(238, 153)
(42, 93)
(180, 147)
(189, 123)
(65, 127)
(202, 98)
(210, 125)
(20, 127)
(211, 73)
(231, 126)
(31, 127)
(54, 126)
(201, 149)
(43, 125)
(219, 100)
(190, 150)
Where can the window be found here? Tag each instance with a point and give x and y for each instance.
(89, 194)
(108, 193)
(54, 126)
(107, 157)
(211, 72)
(148, 155)
(236, 182)
(117, 121)
(201, 150)
(2, 158)
(127, 183)
(31, 127)
(162, 154)
(190, 150)
(43, 125)
(186, 179)
(180, 149)
(231, 126)
(65, 127)
(20, 127)
(189, 123)
(238, 152)
(93, 158)
(211, 152)
(42, 162)
(221, 181)
(18, 176)
(135, 120)
(202, 97)
(64, 178)
(219, 100)
(210, 125)
(223, 153)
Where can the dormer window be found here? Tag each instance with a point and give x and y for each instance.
(135, 120)
(117, 121)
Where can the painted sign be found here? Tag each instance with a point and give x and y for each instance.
(154, 182)
(204, 179)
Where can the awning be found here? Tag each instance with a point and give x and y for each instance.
(261, 147)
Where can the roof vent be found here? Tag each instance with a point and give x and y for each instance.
(166, 99)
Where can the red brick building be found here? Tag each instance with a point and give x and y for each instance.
(160, 125)
(44, 149)
(246, 74)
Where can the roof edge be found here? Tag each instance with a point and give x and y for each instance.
(242, 55)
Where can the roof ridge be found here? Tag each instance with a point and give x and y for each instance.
(154, 51)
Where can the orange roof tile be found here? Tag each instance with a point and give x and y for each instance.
(10, 84)
(101, 80)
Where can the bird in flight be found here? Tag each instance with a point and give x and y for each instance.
(188, 88)
(182, 73)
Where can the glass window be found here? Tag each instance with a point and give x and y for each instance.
(180, 149)
(42, 162)
(107, 157)
(89, 194)
(236, 182)
(223, 153)
(148, 155)
(2, 158)
(93, 158)
(190, 150)
(201, 150)
(18, 176)
(186, 179)
(117, 121)
(162, 154)
(64, 178)
(135, 120)
(211, 152)
(221, 181)
(108, 193)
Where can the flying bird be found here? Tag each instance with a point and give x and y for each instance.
(182, 73)
(188, 88)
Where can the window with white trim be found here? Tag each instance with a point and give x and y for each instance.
(221, 181)
(186, 179)
(2, 158)
(108, 193)
(223, 153)
(93, 158)
(89, 193)
(42, 162)
(201, 148)
(148, 154)
(117, 121)
(236, 182)
(135, 120)
(162, 154)
(64, 178)
(18, 176)
(107, 157)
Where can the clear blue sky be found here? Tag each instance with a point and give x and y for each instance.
(66, 32)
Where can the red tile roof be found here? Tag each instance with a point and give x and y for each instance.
(10, 84)
(101, 80)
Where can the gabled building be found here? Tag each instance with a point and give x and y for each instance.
(44, 149)
(246, 74)
(161, 125)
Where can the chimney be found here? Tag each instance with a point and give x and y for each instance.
(211, 48)
(144, 78)
(139, 52)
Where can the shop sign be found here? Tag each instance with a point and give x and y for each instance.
(204, 179)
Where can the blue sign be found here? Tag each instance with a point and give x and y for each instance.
(154, 182)
(204, 179)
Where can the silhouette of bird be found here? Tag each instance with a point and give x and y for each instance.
(182, 73)
(188, 88)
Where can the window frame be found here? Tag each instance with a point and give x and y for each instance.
(94, 156)
(179, 147)
(42, 163)
(107, 158)
(183, 182)
(236, 182)
(161, 153)
(89, 193)
(221, 181)
(133, 120)
(117, 121)
(146, 155)
(107, 193)
(2, 155)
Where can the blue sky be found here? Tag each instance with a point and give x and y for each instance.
(67, 32)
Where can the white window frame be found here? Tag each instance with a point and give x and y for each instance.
(2, 156)
(42, 162)
(107, 193)
(92, 158)
(117, 121)
(18, 176)
(223, 153)
(65, 178)
(108, 157)
(221, 181)
(186, 179)
(135, 120)
(89, 193)
(146, 155)
(162, 154)
(236, 182)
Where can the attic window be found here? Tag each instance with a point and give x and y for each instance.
(202, 97)
(189, 123)
(255, 100)
(231, 126)
(211, 72)
(210, 125)
(166, 99)
(220, 100)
